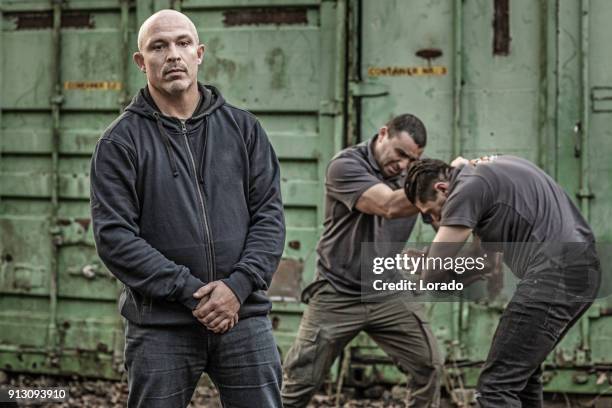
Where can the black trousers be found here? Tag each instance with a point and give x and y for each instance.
(543, 309)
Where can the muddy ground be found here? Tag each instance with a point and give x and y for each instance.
(111, 394)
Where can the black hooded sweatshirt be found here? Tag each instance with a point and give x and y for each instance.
(176, 204)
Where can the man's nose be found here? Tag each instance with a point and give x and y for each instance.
(173, 54)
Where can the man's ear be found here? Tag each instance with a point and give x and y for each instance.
(201, 50)
(441, 186)
(139, 60)
(383, 132)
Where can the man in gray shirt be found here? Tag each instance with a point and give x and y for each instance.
(546, 242)
(364, 202)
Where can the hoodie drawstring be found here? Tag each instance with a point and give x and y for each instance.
(166, 138)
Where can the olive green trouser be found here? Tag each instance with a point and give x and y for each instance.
(332, 320)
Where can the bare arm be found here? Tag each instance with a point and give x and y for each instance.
(381, 200)
(445, 235)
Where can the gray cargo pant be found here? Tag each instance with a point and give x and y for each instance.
(332, 320)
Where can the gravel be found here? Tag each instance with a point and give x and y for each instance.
(87, 393)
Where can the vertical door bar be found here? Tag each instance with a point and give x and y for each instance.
(340, 75)
(1, 86)
(331, 87)
(585, 191)
(456, 142)
(56, 102)
(125, 54)
(548, 87)
(457, 78)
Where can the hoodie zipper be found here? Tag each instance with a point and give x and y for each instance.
(211, 274)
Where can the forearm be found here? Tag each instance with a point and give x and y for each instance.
(382, 201)
(399, 206)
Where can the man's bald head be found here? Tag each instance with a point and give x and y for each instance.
(169, 53)
(164, 18)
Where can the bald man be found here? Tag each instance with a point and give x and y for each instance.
(187, 214)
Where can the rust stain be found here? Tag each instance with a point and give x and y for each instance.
(102, 348)
(501, 28)
(64, 222)
(37, 20)
(83, 222)
(276, 60)
(275, 322)
(215, 66)
(287, 280)
(269, 15)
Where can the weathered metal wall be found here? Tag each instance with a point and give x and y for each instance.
(65, 70)
(524, 77)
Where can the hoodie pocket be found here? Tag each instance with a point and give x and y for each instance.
(228, 253)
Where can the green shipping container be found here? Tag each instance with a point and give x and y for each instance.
(524, 77)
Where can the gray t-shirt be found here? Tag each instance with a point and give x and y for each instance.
(509, 200)
(349, 174)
